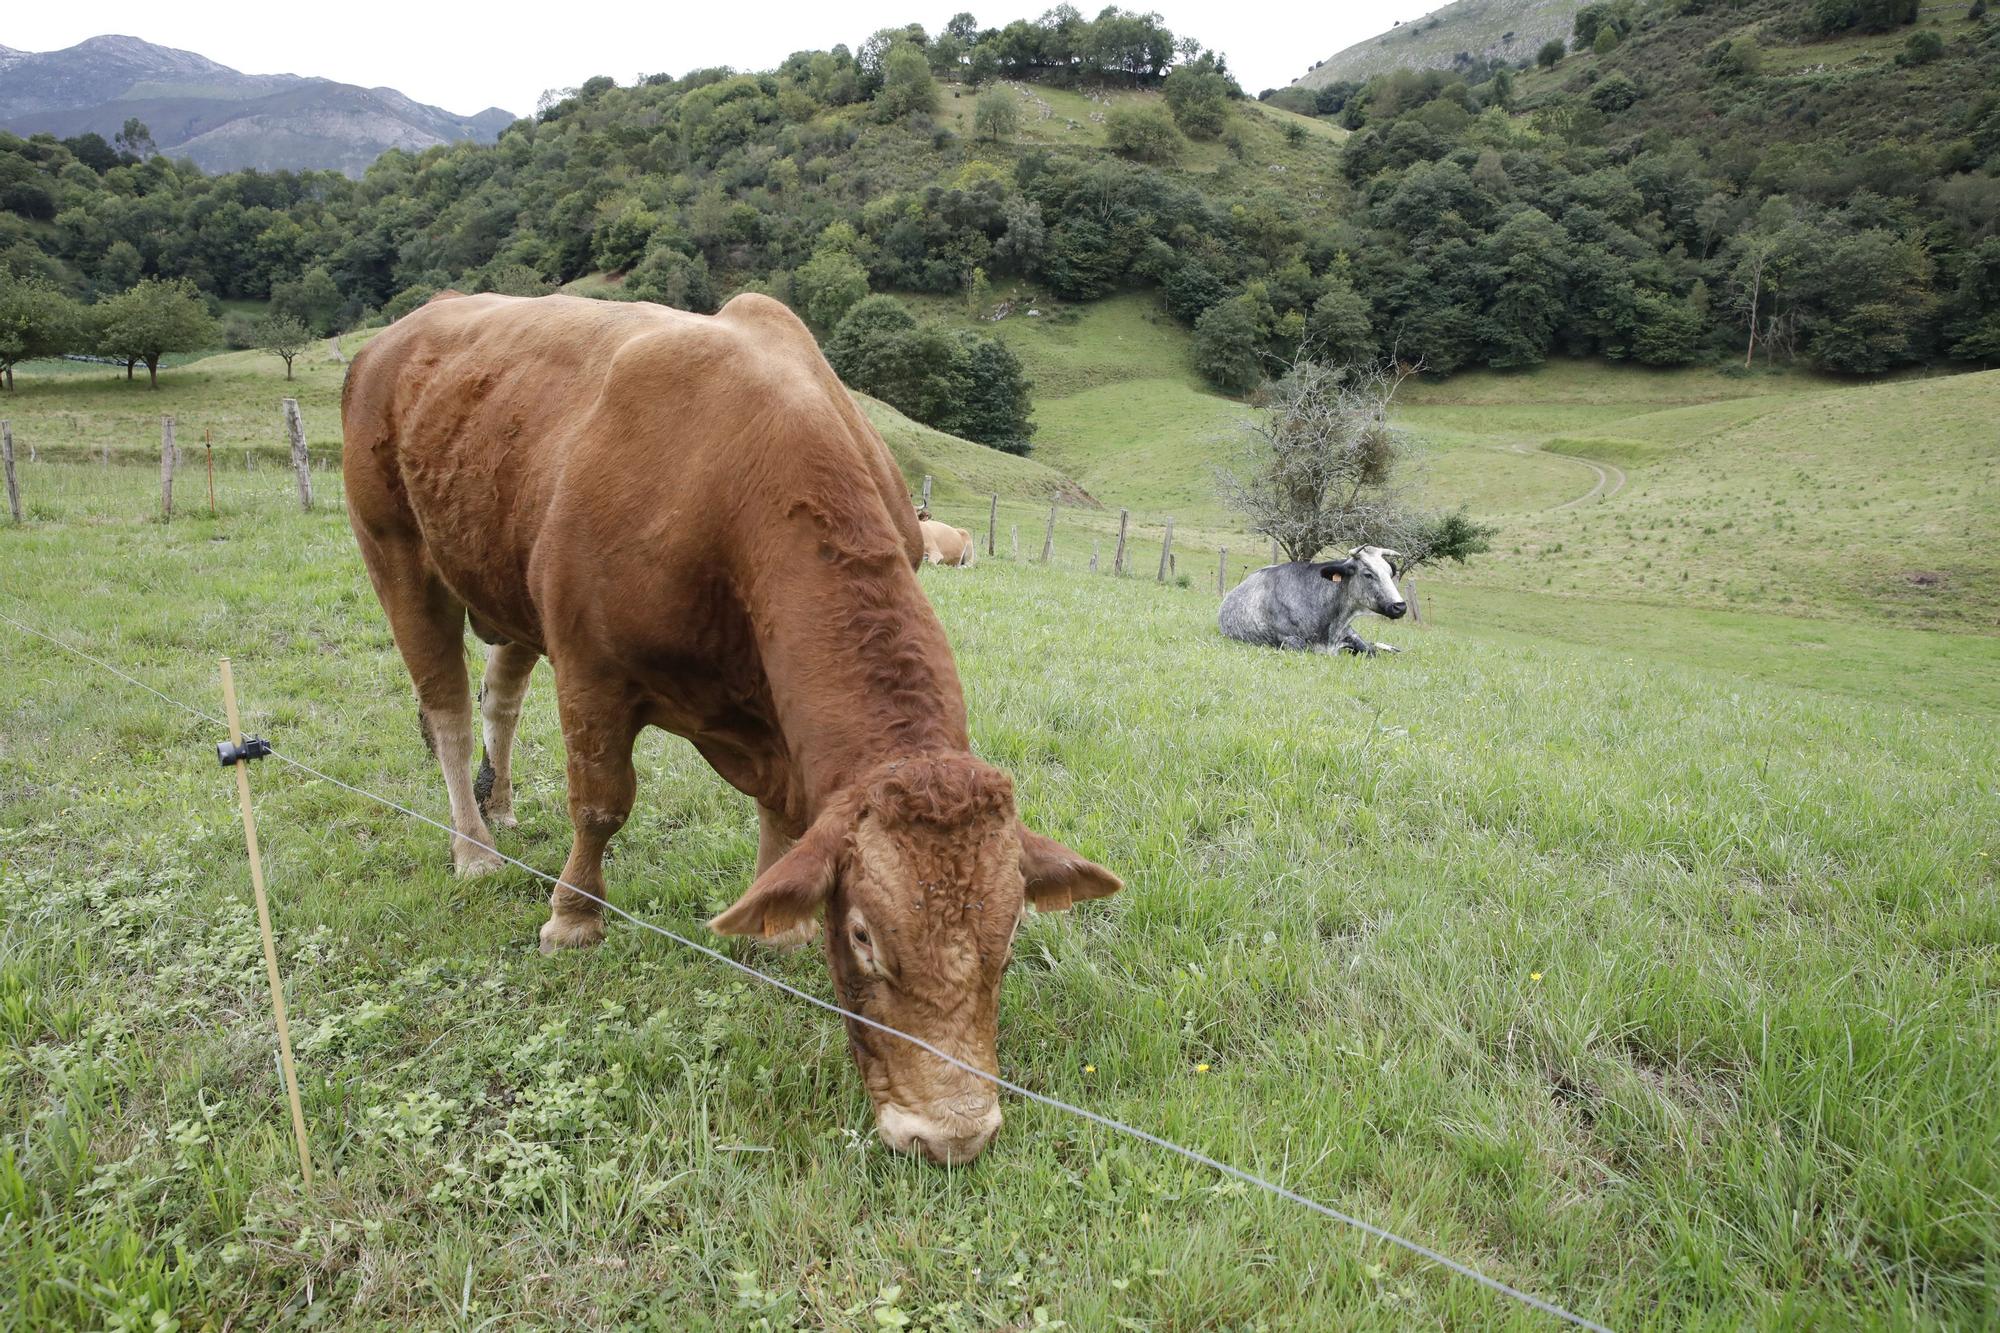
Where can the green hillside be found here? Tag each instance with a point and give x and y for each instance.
(1504, 30)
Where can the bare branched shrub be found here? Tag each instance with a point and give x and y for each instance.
(1320, 463)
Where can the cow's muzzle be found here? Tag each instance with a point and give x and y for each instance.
(1395, 610)
(948, 1136)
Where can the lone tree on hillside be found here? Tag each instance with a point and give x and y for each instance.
(284, 337)
(1321, 466)
(155, 317)
(36, 321)
(997, 113)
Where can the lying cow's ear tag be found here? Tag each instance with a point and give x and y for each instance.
(1331, 575)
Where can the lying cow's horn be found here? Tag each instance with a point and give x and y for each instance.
(1388, 554)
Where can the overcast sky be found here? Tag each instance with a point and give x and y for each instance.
(465, 57)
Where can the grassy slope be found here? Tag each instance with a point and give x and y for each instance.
(1431, 42)
(1638, 992)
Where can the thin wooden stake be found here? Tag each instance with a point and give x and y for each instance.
(1166, 552)
(1222, 575)
(208, 444)
(1274, 550)
(295, 427)
(1049, 537)
(13, 485)
(927, 490)
(264, 926)
(1410, 595)
(992, 522)
(166, 468)
(1118, 556)
(1093, 557)
(1014, 535)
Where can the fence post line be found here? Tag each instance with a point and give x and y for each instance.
(7, 454)
(264, 927)
(1014, 534)
(1222, 575)
(295, 427)
(1118, 556)
(992, 521)
(1166, 551)
(1049, 536)
(166, 468)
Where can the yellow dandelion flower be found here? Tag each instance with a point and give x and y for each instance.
(1534, 976)
(1090, 1069)
(1201, 1069)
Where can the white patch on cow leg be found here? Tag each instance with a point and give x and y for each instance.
(508, 667)
(452, 737)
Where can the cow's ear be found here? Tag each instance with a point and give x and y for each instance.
(1333, 571)
(1056, 876)
(787, 895)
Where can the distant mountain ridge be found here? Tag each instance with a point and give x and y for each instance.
(1511, 30)
(221, 118)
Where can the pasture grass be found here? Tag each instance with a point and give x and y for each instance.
(1671, 1002)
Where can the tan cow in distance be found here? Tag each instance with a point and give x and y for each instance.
(944, 544)
(690, 518)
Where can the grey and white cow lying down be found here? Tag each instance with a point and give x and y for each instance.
(1308, 604)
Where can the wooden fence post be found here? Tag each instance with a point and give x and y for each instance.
(295, 427)
(208, 446)
(992, 522)
(290, 1072)
(166, 468)
(1049, 536)
(1014, 534)
(1093, 557)
(7, 454)
(1166, 551)
(1222, 575)
(1118, 556)
(1410, 595)
(927, 491)
(1274, 550)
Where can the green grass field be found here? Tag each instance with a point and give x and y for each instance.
(1633, 944)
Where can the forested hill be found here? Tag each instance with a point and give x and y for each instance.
(1637, 198)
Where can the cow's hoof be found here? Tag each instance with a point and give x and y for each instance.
(572, 932)
(473, 862)
(501, 818)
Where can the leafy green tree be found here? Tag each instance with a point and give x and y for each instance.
(1923, 46)
(670, 277)
(907, 85)
(136, 139)
(620, 240)
(997, 114)
(1339, 330)
(155, 317)
(828, 285)
(1551, 53)
(36, 321)
(312, 298)
(1198, 95)
(1144, 133)
(283, 336)
(1614, 92)
(1228, 343)
(1669, 330)
(994, 408)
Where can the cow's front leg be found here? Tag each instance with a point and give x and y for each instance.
(599, 727)
(772, 843)
(508, 666)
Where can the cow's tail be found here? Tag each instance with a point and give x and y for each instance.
(969, 554)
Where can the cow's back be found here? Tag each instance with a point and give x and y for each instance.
(564, 456)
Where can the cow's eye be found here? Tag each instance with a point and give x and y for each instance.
(860, 935)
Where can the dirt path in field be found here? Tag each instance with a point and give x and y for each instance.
(1610, 477)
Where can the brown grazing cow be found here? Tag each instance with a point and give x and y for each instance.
(944, 544)
(688, 516)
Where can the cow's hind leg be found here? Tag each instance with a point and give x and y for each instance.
(508, 666)
(599, 725)
(429, 625)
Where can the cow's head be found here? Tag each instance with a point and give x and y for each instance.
(924, 873)
(1369, 580)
